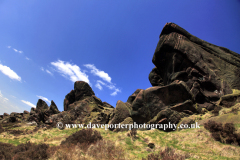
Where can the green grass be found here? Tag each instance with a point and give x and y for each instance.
(196, 142)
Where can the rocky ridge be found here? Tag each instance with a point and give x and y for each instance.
(191, 77)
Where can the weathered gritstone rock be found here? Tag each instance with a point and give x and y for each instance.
(148, 103)
(53, 108)
(25, 112)
(154, 78)
(166, 116)
(229, 100)
(107, 105)
(133, 96)
(127, 121)
(121, 112)
(82, 106)
(209, 71)
(42, 112)
(81, 91)
(5, 114)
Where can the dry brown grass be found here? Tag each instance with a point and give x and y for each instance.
(101, 150)
(166, 154)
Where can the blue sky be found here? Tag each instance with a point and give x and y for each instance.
(47, 45)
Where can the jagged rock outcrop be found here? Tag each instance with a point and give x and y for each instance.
(82, 106)
(207, 70)
(14, 117)
(42, 111)
(190, 76)
(121, 112)
(81, 91)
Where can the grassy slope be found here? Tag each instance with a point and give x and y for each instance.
(195, 142)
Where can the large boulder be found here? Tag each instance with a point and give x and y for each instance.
(168, 116)
(151, 101)
(121, 112)
(209, 71)
(155, 78)
(133, 96)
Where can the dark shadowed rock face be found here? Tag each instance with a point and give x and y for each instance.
(81, 90)
(209, 71)
(133, 96)
(42, 111)
(155, 78)
(41, 105)
(53, 108)
(149, 102)
(121, 112)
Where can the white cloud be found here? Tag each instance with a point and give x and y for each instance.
(20, 51)
(49, 72)
(44, 98)
(7, 106)
(1, 94)
(10, 73)
(28, 103)
(98, 72)
(8, 46)
(4, 99)
(15, 50)
(42, 68)
(115, 92)
(98, 85)
(27, 58)
(70, 71)
(110, 86)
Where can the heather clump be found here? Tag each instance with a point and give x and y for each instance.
(86, 136)
(224, 133)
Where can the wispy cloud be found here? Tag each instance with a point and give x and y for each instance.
(42, 68)
(111, 86)
(7, 106)
(99, 84)
(17, 50)
(27, 58)
(98, 72)
(44, 98)
(28, 103)
(115, 92)
(2, 97)
(10, 73)
(49, 72)
(8, 46)
(70, 71)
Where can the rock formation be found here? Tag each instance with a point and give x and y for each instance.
(190, 76)
(42, 111)
(82, 106)
(208, 71)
